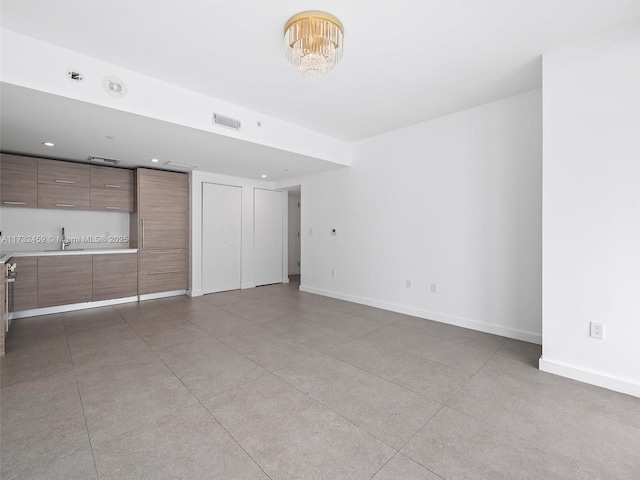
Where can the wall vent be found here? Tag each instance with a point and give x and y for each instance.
(110, 161)
(226, 121)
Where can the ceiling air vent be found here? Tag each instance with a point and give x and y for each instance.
(226, 121)
(109, 161)
(183, 165)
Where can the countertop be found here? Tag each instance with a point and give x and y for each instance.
(87, 251)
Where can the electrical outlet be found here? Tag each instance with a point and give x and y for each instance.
(597, 330)
(408, 284)
(434, 288)
(333, 274)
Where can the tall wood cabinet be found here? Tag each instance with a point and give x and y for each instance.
(160, 231)
(18, 181)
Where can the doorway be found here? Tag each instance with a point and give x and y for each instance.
(294, 229)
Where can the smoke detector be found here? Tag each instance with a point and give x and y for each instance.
(114, 86)
(110, 161)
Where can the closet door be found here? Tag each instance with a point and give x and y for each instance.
(268, 242)
(221, 237)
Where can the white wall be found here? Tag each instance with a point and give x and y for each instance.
(34, 222)
(455, 201)
(591, 219)
(196, 179)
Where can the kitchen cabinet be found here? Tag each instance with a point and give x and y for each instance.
(5, 309)
(64, 279)
(112, 189)
(25, 286)
(160, 231)
(163, 271)
(65, 197)
(115, 276)
(63, 185)
(19, 181)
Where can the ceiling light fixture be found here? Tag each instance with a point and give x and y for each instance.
(49, 144)
(155, 160)
(263, 176)
(313, 42)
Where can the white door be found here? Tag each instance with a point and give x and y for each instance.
(294, 235)
(268, 243)
(221, 237)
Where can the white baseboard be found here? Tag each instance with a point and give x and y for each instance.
(516, 334)
(70, 308)
(247, 285)
(153, 296)
(587, 376)
(195, 293)
(285, 280)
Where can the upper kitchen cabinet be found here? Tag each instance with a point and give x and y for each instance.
(112, 189)
(63, 185)
(163, 210)
(19, 181)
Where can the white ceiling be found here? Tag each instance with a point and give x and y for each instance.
(29, 117)
(404, 62)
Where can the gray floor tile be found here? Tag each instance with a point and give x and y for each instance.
(418, 374)
(184, 303)
(216, 321)
(529, 351)
(545, 417)
(452, 333)
(188, 444)
(403, 468)
(308, 332)
(139, 310)
(352, 324)
(267, 349)
(383, 409)
(208, 367)
(35, 361)
(169, 331)
(28, 332)
(236, 296)
(77, 466)
(42, 421)
(93, 318)
(454, 445)
(464, 357)
(292, 436)
(117, 400)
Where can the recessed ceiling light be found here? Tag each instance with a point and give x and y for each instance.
(263, 176)
(49, 144)
(155, 160)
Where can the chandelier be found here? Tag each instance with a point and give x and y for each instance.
(313, 42)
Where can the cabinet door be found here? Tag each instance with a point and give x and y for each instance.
(112, 178)
(163, 201)
(163, 271)
(25, 287)
(54, 172)
(115, 276)
(63, 197)
(111, 200)
(64, 279)
(19, 181)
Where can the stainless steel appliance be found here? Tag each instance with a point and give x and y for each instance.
(10, 277)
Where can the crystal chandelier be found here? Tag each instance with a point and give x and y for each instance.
(313, 42)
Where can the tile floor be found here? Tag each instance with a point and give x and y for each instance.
(276, 383)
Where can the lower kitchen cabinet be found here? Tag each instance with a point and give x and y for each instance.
(25, 287)
(64, 279)
(115, 276)
(163, 270)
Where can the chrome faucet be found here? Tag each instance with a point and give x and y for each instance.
(65, 242)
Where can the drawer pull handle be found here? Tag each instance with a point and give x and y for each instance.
(113, 186)
(14, 203)
(162, 252)
(64, 205)
(142, 233)
(112, 208)
(64, 181)
(163, 273)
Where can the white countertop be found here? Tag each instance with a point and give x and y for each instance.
(71, 251)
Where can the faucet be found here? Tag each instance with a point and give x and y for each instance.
(65, 242)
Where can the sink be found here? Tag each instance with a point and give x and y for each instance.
(67, 250)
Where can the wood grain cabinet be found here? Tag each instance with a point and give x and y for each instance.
(25, 287)
(64, 279)
(115, 276)
(19, 181)
(160, 231)
(63, 185)
(112, 189)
